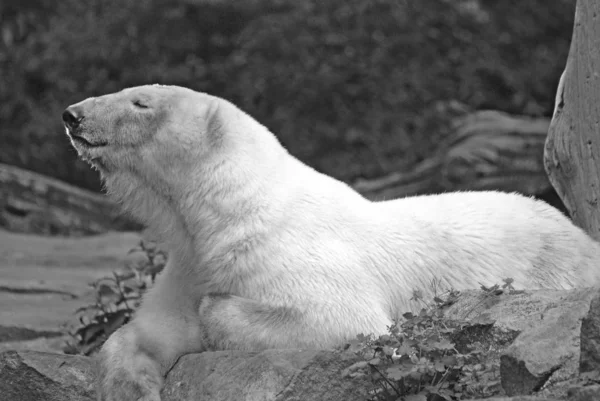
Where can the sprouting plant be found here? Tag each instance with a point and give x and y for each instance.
(116, 298)
(418, 359)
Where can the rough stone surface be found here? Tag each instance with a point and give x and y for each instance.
(535, 335)
(272, 375)
(37, 376)
(590, 338)
(517, 379)
(277, 375)
(269, 375)
(588, 393)
(519, 398)
(545, 351)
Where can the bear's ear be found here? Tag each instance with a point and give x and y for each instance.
(215, 121)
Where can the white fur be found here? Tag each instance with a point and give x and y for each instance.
(244, 217)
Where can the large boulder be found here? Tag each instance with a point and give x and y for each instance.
(539, 336)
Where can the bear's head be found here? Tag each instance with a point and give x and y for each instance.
(167, 147)
(149, 128)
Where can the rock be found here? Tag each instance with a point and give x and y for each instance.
(517, 379)
(272, 375)
(535, 336)
(588, 393)
(590, 338)
(546, 327)
(44, 280)
(519, 398)
(269, 375)
(38, 376)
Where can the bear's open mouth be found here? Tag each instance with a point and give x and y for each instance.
(83, 141)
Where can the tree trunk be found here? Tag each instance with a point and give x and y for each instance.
(573, 144)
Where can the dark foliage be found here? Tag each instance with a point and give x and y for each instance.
(352, 87)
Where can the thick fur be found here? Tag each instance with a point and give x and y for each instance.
(267, 252)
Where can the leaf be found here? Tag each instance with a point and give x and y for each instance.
(415, 375)
(443, 345)
(439, 397)
(153, 270)
(433, 338)
(107, 294)
(483, 320)
(127, 289)
(417, 295)
(375, 361)
(159, 260)
(149, 246)
(84, 320)
(89, 332)
(415, 397)
(449, 360)
(354, 346)
(397, 373)
(439, 366)
(491, 289)
(116, 320)
(405, 349)
(86, 308)
(384, 338)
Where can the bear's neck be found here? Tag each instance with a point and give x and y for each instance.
(233, 199)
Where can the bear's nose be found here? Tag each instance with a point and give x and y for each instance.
(72, 117)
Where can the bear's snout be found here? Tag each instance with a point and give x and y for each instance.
(72, 117)
(75, 117)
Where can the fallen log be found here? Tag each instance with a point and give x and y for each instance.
(486, 150)
(34, 203)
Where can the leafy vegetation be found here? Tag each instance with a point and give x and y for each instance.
(117, 298)
(352, 87)
(421, 358)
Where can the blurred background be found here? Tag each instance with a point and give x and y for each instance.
(394, 97)
(354, 88)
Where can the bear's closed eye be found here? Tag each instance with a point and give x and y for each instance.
(140, 104)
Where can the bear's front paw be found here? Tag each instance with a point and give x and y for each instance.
(118, 384)
(128, 376)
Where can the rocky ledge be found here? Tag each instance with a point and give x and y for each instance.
(548, 345)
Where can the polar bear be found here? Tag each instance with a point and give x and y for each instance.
(266, 252)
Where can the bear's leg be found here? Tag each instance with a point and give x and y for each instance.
(232, 322)
(134, 360)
